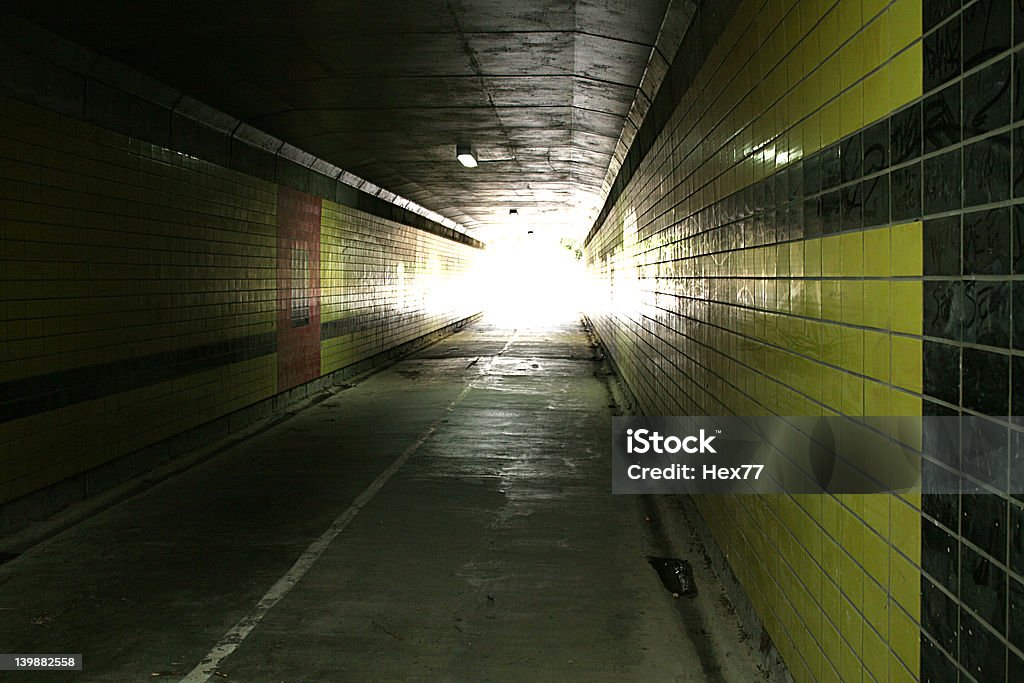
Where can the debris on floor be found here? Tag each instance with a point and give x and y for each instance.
(676, 575)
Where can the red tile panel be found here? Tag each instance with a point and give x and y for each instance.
(298, 287)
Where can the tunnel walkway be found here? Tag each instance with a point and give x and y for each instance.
(446, 519)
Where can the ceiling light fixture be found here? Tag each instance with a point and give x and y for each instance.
(514, 213)
(464, 153)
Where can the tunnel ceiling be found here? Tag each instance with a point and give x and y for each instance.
(385, 90)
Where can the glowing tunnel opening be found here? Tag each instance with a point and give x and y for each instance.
(534, 279)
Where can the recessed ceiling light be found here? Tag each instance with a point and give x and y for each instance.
(464, 153)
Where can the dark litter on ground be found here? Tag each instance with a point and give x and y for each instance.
(676, 575)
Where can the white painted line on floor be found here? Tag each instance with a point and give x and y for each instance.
(208, 665)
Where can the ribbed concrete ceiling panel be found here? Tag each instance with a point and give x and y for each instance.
(610, 60)
(385, 90)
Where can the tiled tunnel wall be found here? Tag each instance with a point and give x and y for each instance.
(145, 292)
(828, 222)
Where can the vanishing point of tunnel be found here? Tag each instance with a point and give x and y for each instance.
(479, 340)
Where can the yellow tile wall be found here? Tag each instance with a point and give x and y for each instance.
(376, 269)
(113, 249)
(700, 323)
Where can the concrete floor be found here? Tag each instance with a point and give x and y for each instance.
(447, 519)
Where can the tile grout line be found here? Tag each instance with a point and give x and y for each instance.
(207, 667)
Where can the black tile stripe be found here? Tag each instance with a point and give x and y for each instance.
(42, 393)
(350, 325)
(972, 543)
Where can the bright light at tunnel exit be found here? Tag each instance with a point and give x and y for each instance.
(533, 279)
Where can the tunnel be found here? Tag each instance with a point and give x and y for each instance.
(381, 341)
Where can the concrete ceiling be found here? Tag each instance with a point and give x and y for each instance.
(385, 90)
